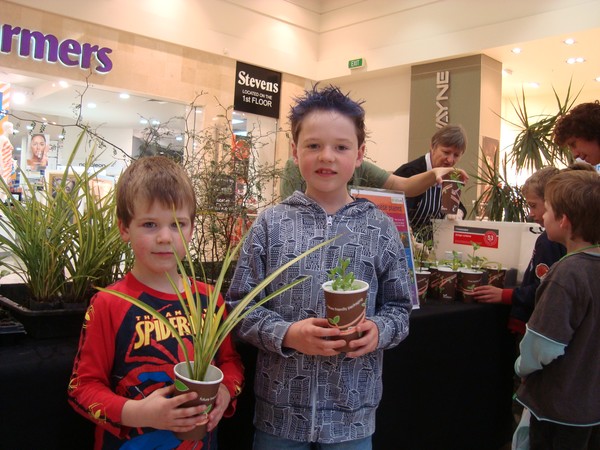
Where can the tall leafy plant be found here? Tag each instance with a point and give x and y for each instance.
(533, 147)
(208, 324)
(499, 200)
(62, 237)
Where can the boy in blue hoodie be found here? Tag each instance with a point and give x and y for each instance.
(306, 389)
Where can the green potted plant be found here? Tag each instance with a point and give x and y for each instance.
(452, 185)
(208, 322)
(499, 200)
(422, 250)
(345, 301)
(496, 274)
(471, 275)
(447, 275)
(61, 239)
(533, 147)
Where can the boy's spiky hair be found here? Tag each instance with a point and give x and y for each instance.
(330, 98)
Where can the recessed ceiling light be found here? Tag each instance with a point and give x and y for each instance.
(63, 84)
(91, 105)
(533, 84)
(597, 79)
(124, 95)
(516, 50)
(569, 41)
(19, 98)
(143, 121)
(578, 60)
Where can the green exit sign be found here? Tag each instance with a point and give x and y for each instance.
(356, 63)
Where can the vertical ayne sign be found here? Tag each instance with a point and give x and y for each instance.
(257, 90)
(442, 84)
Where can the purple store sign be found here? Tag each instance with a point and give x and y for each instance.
(47, 47)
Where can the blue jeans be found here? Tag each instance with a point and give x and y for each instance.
(265, 441)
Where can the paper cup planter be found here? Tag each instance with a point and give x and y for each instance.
(346, 309)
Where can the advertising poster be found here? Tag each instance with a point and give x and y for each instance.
(393, 203)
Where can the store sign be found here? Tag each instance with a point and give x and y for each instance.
(257, 90)
(442, 84)
(47, 47)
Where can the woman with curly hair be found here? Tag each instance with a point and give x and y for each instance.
(579, 129)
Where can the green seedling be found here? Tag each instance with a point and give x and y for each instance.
(342, 279)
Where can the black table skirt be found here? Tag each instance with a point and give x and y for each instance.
(448, 386)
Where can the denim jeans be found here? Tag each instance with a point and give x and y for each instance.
(265, 441)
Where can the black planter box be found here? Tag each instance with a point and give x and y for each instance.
(41, 324)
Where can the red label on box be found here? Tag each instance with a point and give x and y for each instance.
(485, 237)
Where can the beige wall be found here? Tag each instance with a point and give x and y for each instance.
(141, 65)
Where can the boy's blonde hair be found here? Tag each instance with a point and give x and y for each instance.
(536, 183)
(576, 194)
(154, 179)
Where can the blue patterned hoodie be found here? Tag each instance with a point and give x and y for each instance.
(317, 398)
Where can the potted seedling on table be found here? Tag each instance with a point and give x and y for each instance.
(448, 276)
(345, 301)
(496, 274)
(471, 276)
(422, 265)
(209, 324)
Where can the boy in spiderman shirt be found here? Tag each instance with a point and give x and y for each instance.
(123, 371)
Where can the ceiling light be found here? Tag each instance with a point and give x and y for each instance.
(569, 41)
(143, 121)
(63, 84)
(533, 84)
(155, 122)
(19, 98)
(506, 72)
(579, 59)
(124, 95)
(597, 79)
(179, 138)
(516, 50)
(91, 105)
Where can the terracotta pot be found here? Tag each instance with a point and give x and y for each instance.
(448, 282)
(346, 309)
(496, 277)
(207, 393)
(422, 277)
(469, 279)
(450, 196)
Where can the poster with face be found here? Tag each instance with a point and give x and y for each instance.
(37, 152)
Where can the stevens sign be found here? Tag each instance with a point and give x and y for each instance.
(257, 90)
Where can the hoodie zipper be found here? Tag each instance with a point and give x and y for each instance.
(315, 390)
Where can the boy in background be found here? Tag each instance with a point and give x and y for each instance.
(306, 390)
(122, 376)
(545, 254)
(560, 355)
